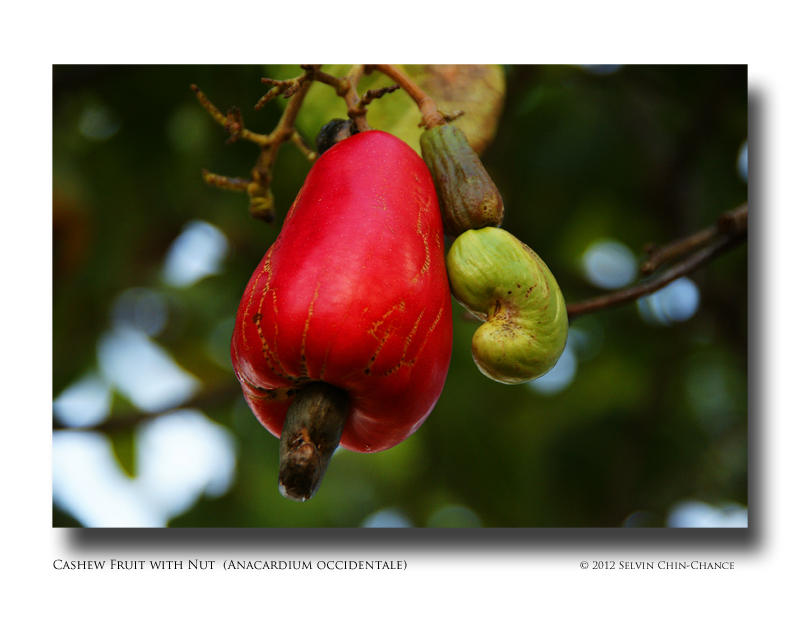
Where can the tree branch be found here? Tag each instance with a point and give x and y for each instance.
(729, 222)
(130, 418)
(701, 247)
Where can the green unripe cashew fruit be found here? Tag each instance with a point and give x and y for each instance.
(503, 282)
(468, 197)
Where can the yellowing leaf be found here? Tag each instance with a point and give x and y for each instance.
(476, 90)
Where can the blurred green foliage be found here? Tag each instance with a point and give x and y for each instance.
(655, 414)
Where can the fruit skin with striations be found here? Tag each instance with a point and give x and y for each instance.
(504, 282)
(468, 197)
(353, 293)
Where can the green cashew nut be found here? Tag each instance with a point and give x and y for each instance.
(468, 197)
(502, 281)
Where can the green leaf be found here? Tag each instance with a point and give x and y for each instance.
(123, 441)
(123, 444)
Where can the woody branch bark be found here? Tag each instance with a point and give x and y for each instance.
(686, 255)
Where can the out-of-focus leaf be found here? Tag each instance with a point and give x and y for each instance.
(476, 90)
(123, 444)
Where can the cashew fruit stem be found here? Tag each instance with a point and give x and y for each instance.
(310, 435)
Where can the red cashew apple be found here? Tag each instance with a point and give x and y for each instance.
(344, 332)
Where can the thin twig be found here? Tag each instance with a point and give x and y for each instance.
(285, 126)
(728, 222)
(225, 182)
(328, 79)
(672, 251)
(431, 116)
(208, 105)
(283, 87)
(261, 202)
(285, 130)
(231, 121)
(727, 236)
(127, 419)
(357, 113)
(298, 141)
(371, 95)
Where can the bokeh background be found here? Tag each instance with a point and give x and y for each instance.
(643, 422)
